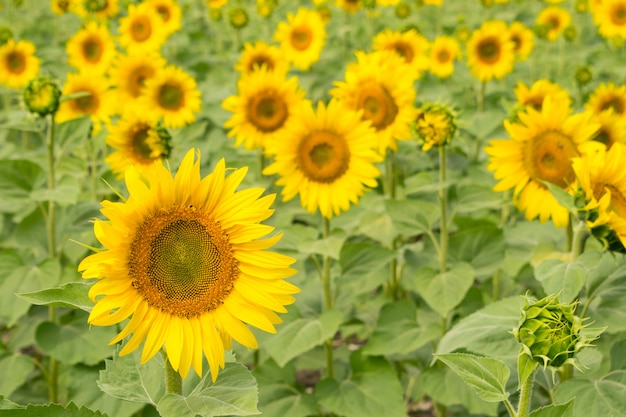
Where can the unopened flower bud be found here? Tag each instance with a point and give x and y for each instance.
(41, 96)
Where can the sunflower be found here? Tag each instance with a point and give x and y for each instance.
(137, 140)
(555, 19)
(350, 6)
(171, 15)
(91, 49)
(101, 9)
(540, 150)
(537, 93)
(18, 63)
(490, 51)
(443, 52)
(130, 73)
(380, 86)
(523, 40)
(410, 45)
(172, 95)
(263, 109)
(610, 16)
(261, 54)
(302, 38)
(61, 7)
(612, 128)
(608, 96)
(142, 30)
(97, 103)
(328, 159)
(602, 180)
(184, 259)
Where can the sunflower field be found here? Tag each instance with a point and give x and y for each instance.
(295, 208)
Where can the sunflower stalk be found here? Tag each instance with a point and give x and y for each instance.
(523, 409)
(328, 300)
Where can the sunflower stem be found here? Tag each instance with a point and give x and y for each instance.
(390, 175)
(93, 179)
(328, 300)
(523, 409)
(173, 380)
(581, 234)
(480, 96)
(442, 195)
(53, 377)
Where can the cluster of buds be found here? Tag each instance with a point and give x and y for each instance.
(434, 125)
(550, 333)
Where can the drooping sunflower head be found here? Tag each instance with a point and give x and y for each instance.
(540, 149)
(410, 45)
(137, 140)
(443, 52)
(261, 54)
(301, 38)
(171, 95)
(170, 13)
(523, 40)
(186, 259)
(328, 159)
(92, 48)
(434, 125)
(608, 96)
(555, 19)
(490, 51)
(263, 108)
(142, 29)
(41, 96)
(535, 95)
(95, 99)
(18, 63)
(380, 86)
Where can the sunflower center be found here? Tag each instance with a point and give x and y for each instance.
(139, 142)
(16, 62)
(259, 61)
(536, 102)
(267, 111)
(140, 28)
(547, 157)
(181, 262)
(554, 22)
(171, 97)
(404, 50)
(87, 104)
(614, 103)
(164, 11)
(618, 15)
(323, 156)
(136, 79)
(517, 42)
(301, 38)
(63, 5)
(618, 202)
(489, 51)
(603, 136)
(443, 56)
(92, 50)
(377, 104)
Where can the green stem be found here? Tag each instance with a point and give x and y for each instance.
(481, 96)
(509, 408)
(328, 300)
(523, 410)
(495, 290)
(93, 172)
(581, 234)
(390, 176)
(173, 381)
(53, 374)
(442, 195)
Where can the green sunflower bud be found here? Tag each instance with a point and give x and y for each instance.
(94, 6)
(550, 332)
(581, 6)
(238, 17)
(403, 10)
(41, 96)
(215, 14)
(434, 125)
(570, 33)
(583, 75)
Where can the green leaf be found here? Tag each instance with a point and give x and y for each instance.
(126, 378)
(525, 368)
(51, 410)
(603, 397)
(563, 278)
(373, 390)
(601, 265)
(302, 335)
(614, 286)
(487, 376)
(475, 197)
(412, 217)
(17, 179)
(73, 132)
(8, 405)
(330, 246)
(481, 124)
(234, 393)
(15, 370)
(76, 342)
(64, 193)
(71, 295)
(398, 330)
(361, 266)
(487, 331)
(444, 291)
(555, 410)
(479, 243)
(562, 197)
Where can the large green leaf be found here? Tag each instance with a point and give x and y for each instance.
(51, 410)
(72, 295)
(487, 331)
(301, 335)
(364, 266)
(373, 390)
(555, 410)
(563, 278)
(330, 246)
(444, 291)
(488, 376)
(480, 243)
(604, 397)
(76, 342)
(399, 331)
(235, 393)
(18, 178)
(412, 217)
(15, 370)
